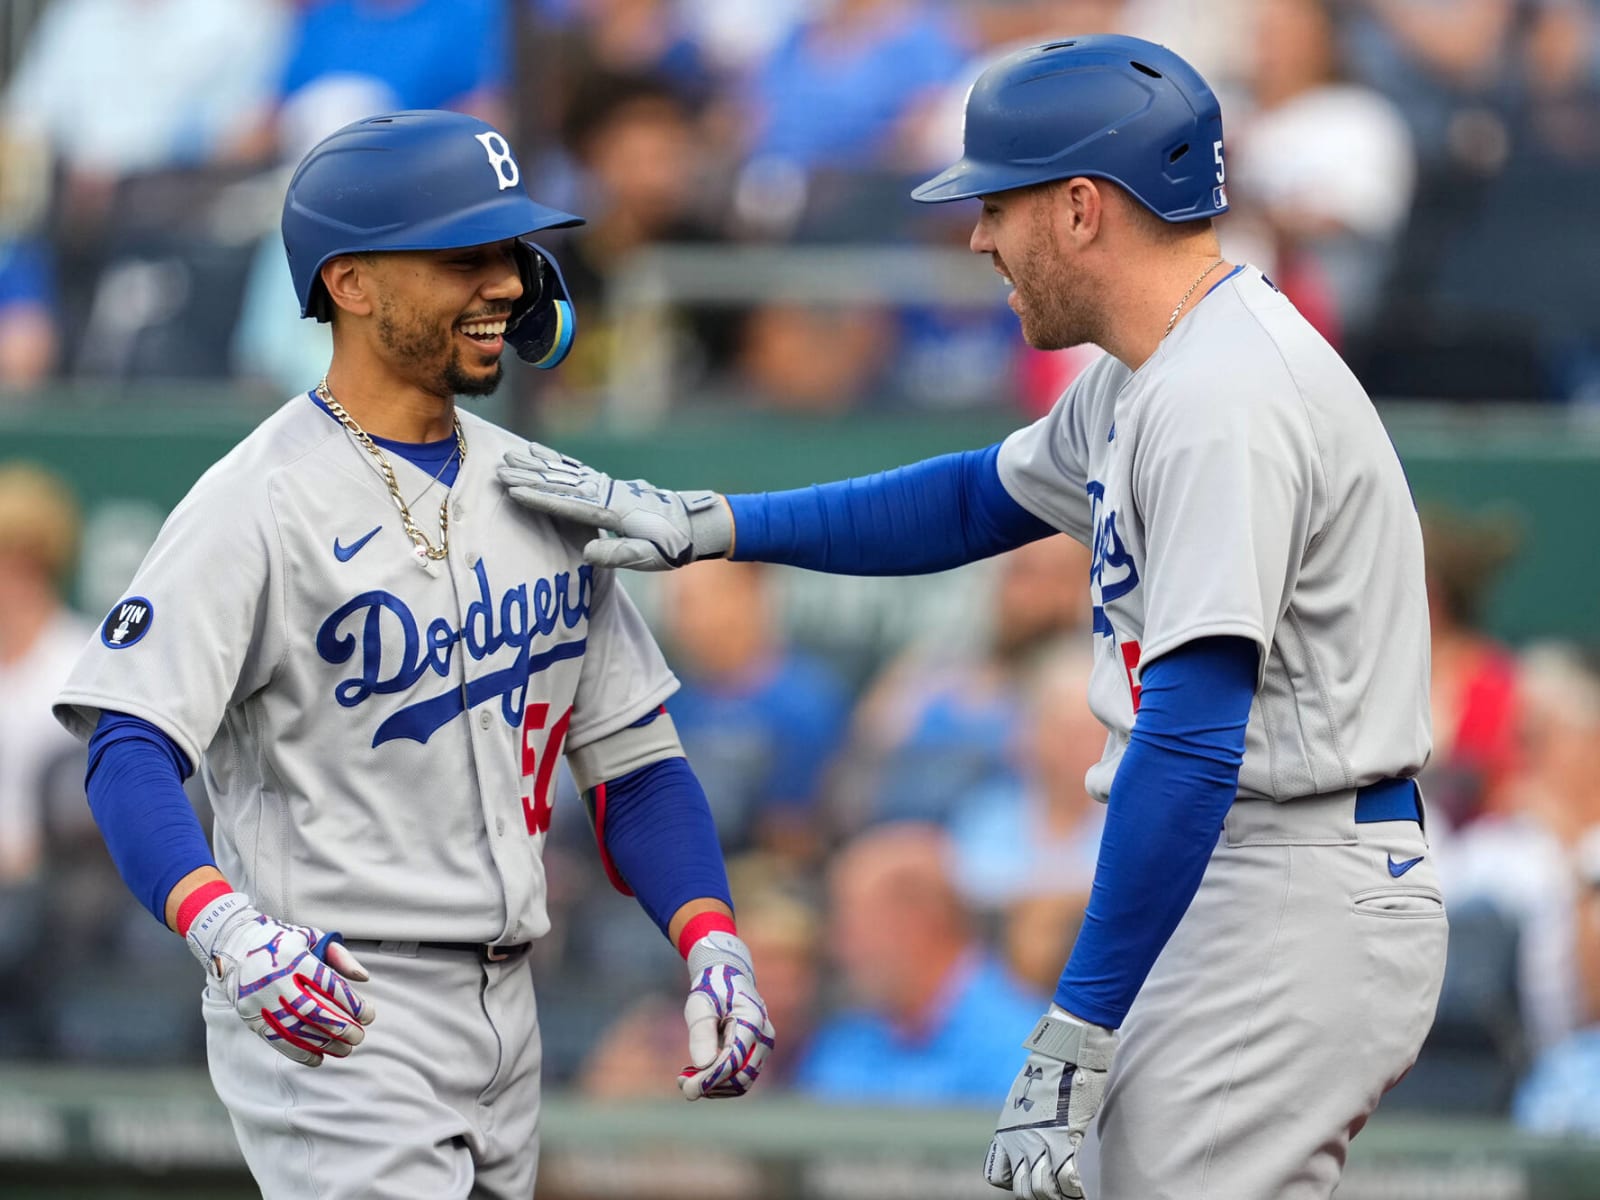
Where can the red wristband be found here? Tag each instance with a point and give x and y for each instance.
(701, 924)
(197, 900)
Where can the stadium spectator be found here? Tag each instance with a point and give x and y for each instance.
(805, 358)
(845, 91)
(1473, 676)
(936, 727)
(122, 87)
(932, 1017)
(641, 167)
(1519, 857)
(40, 768)
(397, 54)
(1325, 232)
(761, 721)
(1038, 834)
(28, 336)
(1562, 727)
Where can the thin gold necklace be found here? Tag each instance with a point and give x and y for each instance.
(1173, 319)
(425, 549)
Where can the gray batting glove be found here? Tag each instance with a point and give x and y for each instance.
(1051, 1105)
(730, 1034)
(653, 529)
(289, 983)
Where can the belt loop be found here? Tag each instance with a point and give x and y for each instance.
(495, 954)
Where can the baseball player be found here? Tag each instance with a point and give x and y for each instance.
(1265, 941)
(373, 658)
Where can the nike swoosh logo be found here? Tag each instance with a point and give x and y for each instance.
(1399, 869)
(346, 553)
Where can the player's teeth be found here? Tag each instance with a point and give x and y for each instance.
(489, 329)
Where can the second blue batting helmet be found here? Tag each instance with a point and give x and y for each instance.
(1107, 106)
(425, 180)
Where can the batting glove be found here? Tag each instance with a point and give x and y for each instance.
(1052, 1102)
(655, 530)
(289, 983)
(730, 1034)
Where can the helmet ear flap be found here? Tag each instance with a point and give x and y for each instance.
(543, 322)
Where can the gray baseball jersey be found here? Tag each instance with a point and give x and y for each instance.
(377, 736)
(1240, 483)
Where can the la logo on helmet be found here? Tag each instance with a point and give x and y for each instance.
(505, 167)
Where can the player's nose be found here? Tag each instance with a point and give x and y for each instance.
(505, 280)
(980, 242)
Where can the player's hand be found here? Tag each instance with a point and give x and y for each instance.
(654, 530)
(730, 1034)
(289, 983)
(1051, 1105)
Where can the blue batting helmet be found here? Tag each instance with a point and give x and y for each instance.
(425, 180)
(1111, 107)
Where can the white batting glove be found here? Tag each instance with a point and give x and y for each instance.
(289, 983)
(730, 1034)
(655, 530)
(1051, 1105)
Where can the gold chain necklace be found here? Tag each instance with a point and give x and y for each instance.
(1173, 319)
(425, 549)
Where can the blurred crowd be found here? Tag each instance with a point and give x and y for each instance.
(1416, 174)
(909, 840)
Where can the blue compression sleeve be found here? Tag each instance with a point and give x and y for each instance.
(1171, 793)
(655, 827)
(135, 786)
(929, 516)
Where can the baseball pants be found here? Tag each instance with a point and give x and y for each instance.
(439, 1102)
(1297, 989)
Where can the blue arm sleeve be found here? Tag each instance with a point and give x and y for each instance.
(1171, 793)
(135, 786)
(929, 516)
(655, 829)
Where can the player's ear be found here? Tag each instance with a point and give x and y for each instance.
(348, 281)
(1079, 205)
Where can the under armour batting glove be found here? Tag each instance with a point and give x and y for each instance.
(1051, 1105)
(655, 530)
(730, 1034)
(289, 983)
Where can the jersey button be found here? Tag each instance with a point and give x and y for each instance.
(484, 718)
(461, 511)
(500, 826)
(472, 559)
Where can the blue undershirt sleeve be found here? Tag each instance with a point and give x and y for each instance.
(929, 516)
(1171, 793)
(656, 830)
(135, 785)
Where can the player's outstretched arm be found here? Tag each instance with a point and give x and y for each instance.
(929, 516)
(292, 984)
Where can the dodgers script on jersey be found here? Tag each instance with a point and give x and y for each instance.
(1243, 444)
(287, 638)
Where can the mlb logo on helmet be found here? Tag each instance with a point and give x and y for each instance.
(1219, 197)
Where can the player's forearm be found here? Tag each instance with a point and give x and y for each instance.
(929, 516)
(135, 790)
(660, 843)
(1171, 794)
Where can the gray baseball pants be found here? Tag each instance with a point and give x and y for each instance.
(440, 1102)
(1297, 989)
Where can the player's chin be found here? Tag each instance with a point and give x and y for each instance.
(475, 378)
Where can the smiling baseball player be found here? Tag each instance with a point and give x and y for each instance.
(373, 658)
(1265, 940)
